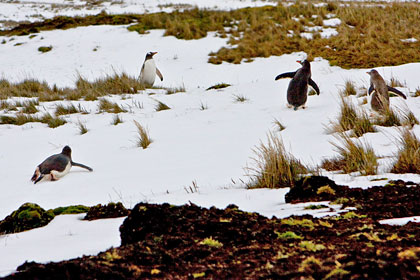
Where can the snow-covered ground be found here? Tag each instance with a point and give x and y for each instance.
(207, 148)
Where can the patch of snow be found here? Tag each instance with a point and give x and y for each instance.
(328, 32)
(409, 40)
(400, 221)
(331, 22)
(307, 35)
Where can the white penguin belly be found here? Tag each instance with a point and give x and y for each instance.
(148, 75)
(58, 174)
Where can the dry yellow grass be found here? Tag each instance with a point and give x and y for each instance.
(274, 166)
(409, 154)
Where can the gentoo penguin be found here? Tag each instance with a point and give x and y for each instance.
(149, 70)
(298, 86)
(380, 97)
(56, 166)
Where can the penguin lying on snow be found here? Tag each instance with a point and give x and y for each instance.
(380, 97)
(56, 166)
(149, 70)
(298, 86)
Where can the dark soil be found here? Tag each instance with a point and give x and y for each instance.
(187, 242)
(111, 210)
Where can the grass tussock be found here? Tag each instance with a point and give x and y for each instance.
(61, 109)
(116, 120)
(353, 119)
(409, 119)
(279, 125)
(203, 106)
(21, 119)
(160, 106)
(173, 90)
(353, 157)
(82, 128)
(349, 88)
(110, 107)
(388, 117)
(394, 82)
(29, 107)
(45, 49)
(144, 139)
(219, 86)
(274, 166)
(408, 160)
(240, 98)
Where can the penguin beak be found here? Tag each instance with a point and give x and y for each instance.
(153, 53)
(299, 61)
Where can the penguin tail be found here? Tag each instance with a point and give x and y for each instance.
(81, 165)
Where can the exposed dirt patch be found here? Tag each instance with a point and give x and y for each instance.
(111, 210)
(187, 242)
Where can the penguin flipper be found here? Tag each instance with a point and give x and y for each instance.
(371, 89)
(81, 165)
(285, 75)
(314, 85)
(159, 74)
(394, 90)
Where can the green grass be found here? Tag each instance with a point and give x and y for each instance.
(73, 209)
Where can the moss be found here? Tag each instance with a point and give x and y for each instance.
(209, 241)
(45, 49)
(28, 216)
(219, 86)
(297, 222)
(351, 215)
(314, 206)
(73, 209)
(336, 273)
(288, 235)
(310, 246)
(326, 189)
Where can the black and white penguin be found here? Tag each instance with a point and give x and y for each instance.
(380, 96)
(149, 70)
(56, 166)
(297, 92)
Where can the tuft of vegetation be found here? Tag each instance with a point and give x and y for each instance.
(388, 117)
(275, 168)
(73, 209)
(175, 90)
(326, 189)
(209, 241)
(310, 246)
(52, 122)
(279, 125)
(203, 106)
(28, 216)
(144, 139)
(288, 235)
(61, 109)
(110, 210)
(82, 128)
(45, 49)
(219, 86)
(409, 119)
(353, 157)
(116, 120)
(408, 155)
(349, 88)
(110, 107)
(29, 107)
(298, 222)
(240, 98)
(315, 207)
(160, 106)
(352, 119)
(394, 82)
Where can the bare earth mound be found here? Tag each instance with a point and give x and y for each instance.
(187, 242)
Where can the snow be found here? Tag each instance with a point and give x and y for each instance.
(208, 148)
(65, 237)
(331, 22)
(400, 221)
(409, 40)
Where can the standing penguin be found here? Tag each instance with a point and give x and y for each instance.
(149, 70)
(298, 86)
(56, 166)
(380, 98)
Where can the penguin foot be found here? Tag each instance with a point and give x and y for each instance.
(289, 105)
(296, 107)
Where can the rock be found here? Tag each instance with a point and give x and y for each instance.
(111, 210)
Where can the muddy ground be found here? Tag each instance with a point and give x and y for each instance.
(190, 242)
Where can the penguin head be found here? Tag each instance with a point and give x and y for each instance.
(373, 73)
(304, 63)
(66, 151)
(150, 55)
